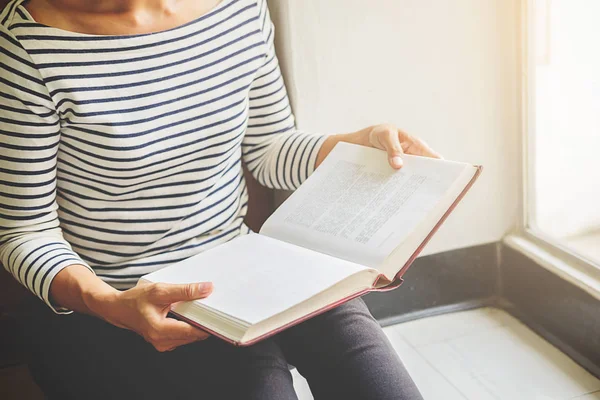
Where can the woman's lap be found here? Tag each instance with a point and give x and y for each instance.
(343, 354)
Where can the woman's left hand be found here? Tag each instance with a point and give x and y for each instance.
(385, 137)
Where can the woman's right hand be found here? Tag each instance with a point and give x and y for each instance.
(144, 308)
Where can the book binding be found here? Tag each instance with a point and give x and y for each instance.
(322, 310)
(395, 283)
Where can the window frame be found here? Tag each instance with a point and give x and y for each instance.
(548, 251)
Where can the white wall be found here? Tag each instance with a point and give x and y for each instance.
(445, 70)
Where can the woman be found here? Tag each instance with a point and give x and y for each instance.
(124, 128)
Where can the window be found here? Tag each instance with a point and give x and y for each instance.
(563, 121)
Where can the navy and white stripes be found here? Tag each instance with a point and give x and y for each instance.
(124, 153)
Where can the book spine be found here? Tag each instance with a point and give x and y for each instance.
(389, 287)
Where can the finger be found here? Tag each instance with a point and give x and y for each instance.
(404, 137)
(173, 329)
(415, 146)
(166, 293)
(419, 148)
(170, 345)
(167, 333)
(391, 143)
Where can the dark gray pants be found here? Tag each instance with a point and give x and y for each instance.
(343, 354)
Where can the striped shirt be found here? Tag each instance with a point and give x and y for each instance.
(124, 153)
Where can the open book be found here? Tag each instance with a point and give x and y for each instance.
(353, 227)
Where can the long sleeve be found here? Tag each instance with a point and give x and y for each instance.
(32, 247)
(276, 153)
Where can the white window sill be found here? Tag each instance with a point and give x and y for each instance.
(584, 277)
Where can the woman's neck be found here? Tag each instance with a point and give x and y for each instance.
(116, 6)
(117, 17)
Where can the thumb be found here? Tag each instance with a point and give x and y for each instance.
(170, 293)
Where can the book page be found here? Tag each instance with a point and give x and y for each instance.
(356, 207)
(256, 277)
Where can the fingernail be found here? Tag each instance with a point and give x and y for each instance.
(205, 287)
(397, 161)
